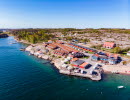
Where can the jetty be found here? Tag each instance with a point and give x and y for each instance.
(92, 77)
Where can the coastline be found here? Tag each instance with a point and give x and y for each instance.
(57, 63)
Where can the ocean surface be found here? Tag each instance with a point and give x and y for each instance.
(24, 77)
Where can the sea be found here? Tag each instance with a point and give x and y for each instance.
(25, 77)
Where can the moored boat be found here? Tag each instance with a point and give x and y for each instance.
(119, 87)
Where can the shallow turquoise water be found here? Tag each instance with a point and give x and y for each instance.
(24, 77)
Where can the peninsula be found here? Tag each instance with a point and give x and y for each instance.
(80, 52)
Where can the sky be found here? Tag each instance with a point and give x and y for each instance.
(64, 13)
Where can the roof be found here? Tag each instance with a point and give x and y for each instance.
(82, 47)
(59, 41)
(60, 51)
(74, 59)
(84, 64)
(112, 55)
(66, 48)
(52, 45)
(115, 55)
(109, 44)
(77, 62)
(96, 55)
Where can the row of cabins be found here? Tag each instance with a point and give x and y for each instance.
(61, 52)
(59, 48)
(79, 47)
(106, 58)
(66, 48)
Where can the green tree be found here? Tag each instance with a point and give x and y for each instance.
(124, 62)
(117, 50)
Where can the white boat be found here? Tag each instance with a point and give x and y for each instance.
(119, 87)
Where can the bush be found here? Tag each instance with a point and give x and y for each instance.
(97, 47)
(117, 50)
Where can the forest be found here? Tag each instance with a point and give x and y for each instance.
(40, 35)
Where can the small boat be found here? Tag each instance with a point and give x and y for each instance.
(119, 87)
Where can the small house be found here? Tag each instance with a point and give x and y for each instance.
(106, 58)
(109, 45)
(85, 65)
(74, 59)
(95, 57)
(112, 61)
(77, 63)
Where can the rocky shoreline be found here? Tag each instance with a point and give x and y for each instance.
(41, 52)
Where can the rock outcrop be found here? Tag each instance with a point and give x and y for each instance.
(3, 35)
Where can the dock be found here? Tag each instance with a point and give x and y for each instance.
(92, 77)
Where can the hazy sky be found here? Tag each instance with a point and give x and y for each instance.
(64, 13)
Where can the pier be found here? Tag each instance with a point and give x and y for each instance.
(92, 77)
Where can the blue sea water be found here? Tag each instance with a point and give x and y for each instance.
(24, 77)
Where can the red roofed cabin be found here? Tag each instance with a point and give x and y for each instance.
(109, 45)
(85, 65)
(52, 46)
(61, 52)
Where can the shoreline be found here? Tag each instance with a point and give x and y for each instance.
(55, 62)
(57, 65)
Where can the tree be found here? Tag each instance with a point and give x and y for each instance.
(117, 50)
(124, 62)
(85, 40)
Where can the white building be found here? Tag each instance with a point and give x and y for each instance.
(128, 53)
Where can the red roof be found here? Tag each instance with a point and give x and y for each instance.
(110, 44)
(74, 59)
(84, 64)
(96, 55)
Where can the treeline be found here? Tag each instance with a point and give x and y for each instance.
(38, 35)
(32, 35)
(91, 30)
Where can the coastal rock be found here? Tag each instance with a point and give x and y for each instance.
(45, 57)
(29, 48)
(32, 52)
(3, 35)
